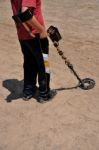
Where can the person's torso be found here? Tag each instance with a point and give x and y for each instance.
(16, 7)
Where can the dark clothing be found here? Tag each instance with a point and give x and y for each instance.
(34, 63)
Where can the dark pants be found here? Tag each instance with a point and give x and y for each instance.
(33, 62)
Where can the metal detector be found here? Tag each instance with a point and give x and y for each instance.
(85, 84)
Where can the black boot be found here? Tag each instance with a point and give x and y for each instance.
(48, 81)
(28, 92)
(48, 94)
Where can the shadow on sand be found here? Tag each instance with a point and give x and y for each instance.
(67, 88)
(15, 88)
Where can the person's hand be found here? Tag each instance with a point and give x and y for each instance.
(43, 34)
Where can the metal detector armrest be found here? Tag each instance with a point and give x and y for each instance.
(22, 17)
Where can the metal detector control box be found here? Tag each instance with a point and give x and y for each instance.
(54, 34)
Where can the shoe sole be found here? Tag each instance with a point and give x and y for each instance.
(27, 98)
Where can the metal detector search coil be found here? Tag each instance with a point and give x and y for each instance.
(55, 36)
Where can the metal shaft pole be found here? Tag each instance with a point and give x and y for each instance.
(67, 62)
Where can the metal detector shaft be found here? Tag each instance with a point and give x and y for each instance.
(28, 29)
(67, 62)
(17, 19)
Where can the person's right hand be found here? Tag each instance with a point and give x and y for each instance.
(43, 34)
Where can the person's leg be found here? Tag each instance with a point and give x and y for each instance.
(45, 51)
(49, 94)
(30, 69)
(37, 49)
(37, 52)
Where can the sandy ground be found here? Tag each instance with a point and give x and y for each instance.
(71, 120)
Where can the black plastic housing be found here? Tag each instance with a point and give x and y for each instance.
(54, 34)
